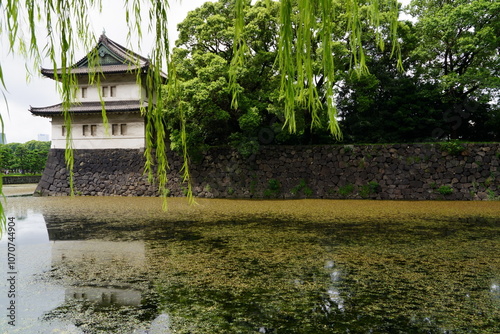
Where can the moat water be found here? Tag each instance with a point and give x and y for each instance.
(122, 265)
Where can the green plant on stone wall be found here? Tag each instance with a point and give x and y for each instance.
(445, 190)
(346, 190)
(253, 184)
(230, 191)
(348, 149)
(490, 179)
(362, 163)
(472, 193)
(413, 159)
(302, 187)
(492, 196)
(369, 189)
(273, 188)
(475, 185)
(246, 147)
(452, 147)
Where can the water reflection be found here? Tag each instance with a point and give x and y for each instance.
(113, 256)
(125, 268)
(68, 284)
(334, 295)
(101, 278)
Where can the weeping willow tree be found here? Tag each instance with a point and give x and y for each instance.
(63, 26)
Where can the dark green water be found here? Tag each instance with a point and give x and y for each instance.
(121, 265)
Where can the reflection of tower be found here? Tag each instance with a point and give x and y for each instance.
(94, 257)
(100, 276)
(104, 296)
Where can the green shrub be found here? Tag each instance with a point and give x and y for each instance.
(302, 186)
(346, 190)
(492, 196)
(369, 189)
(308, 191)
(273, 188)
(348, 149)
(253, 185)
(452, 147)
(445, 190)
(245, 146)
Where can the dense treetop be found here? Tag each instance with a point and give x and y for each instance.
(26, 158)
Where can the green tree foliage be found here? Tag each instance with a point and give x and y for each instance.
(388, 105)
(202, 60)
(203, 57)
(27, 158)
(459, 52)
(448, 89)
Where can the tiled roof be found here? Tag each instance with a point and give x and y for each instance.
(91, 108)
(102, 69)
(111, 57)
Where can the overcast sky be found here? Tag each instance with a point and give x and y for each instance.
(20, 125)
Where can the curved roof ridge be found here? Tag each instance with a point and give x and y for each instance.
(126, 59)
(121, 49)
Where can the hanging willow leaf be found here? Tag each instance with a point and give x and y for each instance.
(286, 63)
(240, 48)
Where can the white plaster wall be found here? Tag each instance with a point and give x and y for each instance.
(133, 139)
(124, 92)
(126, 88)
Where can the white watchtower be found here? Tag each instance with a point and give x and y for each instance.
(117, 91)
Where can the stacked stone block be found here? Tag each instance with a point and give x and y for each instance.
(392, 172)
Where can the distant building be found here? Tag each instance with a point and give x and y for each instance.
(123, 98)
(43, 137)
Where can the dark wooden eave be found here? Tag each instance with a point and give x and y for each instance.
(91, 108)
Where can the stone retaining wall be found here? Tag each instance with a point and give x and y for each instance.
(394, 172)
(22, 179)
